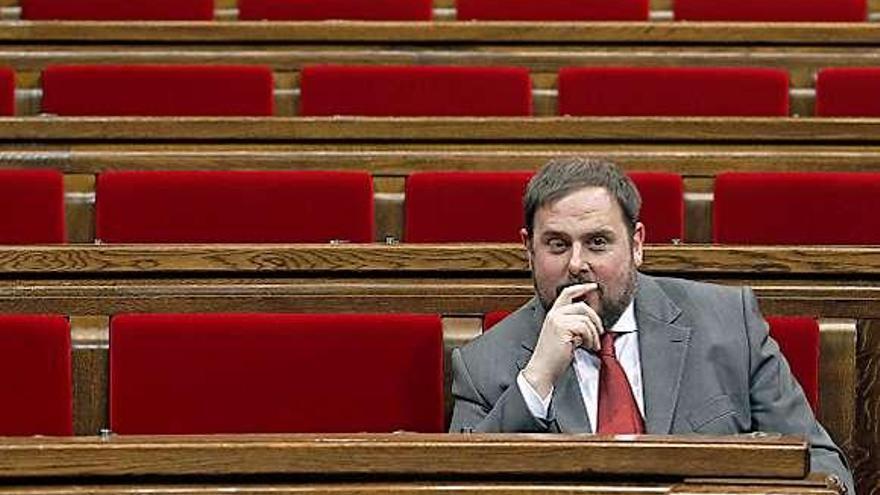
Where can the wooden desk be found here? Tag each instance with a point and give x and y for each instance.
(407, 463)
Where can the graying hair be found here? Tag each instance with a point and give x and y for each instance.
(562, 176)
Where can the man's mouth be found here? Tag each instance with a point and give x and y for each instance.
(599, 288)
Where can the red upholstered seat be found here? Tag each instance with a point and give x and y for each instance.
(798, 337)
(662, 205)
(234, 206)
(682, 91)
(310, 10)
(464, 206)
(35, 375)
(108, 10)
(262, 373)
(553, 10)
(7, 91)
(31, 207)
(771, 10)
(848, 92)
(487, 206)
(797, 208)
(414, 91)
(185, 90)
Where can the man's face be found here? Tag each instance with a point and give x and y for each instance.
(583, 238)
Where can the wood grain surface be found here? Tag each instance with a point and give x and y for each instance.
(446, 129)
(437, 456)
(476, 32)
(478, 260)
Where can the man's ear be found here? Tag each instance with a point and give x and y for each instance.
(638, 242)
(527, 243)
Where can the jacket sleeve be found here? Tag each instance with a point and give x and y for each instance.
(778, 403)
(474, 412)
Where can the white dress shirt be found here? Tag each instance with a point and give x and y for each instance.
(586, 367)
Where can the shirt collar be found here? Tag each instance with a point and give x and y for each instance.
(627, 321)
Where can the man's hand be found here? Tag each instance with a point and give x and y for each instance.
(568, 325)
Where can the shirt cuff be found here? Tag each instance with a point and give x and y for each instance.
(537, 406)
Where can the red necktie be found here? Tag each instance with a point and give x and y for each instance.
(618, 411)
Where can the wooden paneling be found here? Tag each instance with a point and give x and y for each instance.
(425, 456)
(448, 130)
(476, 33)
(866, 455)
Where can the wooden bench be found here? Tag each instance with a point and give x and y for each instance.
(408, 463)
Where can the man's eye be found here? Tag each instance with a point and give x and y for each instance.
(557, 245)
(598, 243)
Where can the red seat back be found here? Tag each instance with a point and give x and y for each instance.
(7, 91)
(464, 206)
(31, 207)
(662, 205)
(414, 91)
(488, 206)
(234, 206)
(109, 10)
(262, 373)
(771, 11)
(798, 337)
(797, 208)
(553, 10)
(158, 90)
(311, 10)
(848, 92)
(35, 375)
(659, 91)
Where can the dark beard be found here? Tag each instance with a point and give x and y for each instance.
(611, 309)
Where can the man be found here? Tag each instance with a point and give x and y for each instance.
(679, 357)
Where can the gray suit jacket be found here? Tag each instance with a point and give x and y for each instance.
(708, 363)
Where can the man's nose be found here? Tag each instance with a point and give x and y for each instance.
(579, 261)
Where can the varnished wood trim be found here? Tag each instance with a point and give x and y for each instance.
(481, 32)
(474, 259)
(412, 454)
(460, 129)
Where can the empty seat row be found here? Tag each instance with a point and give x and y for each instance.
(421, 10)
(262, 373)
(233, 373)
(327, 90)
(327, 206)
(293, 206)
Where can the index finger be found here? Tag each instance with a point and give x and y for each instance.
(568, 294)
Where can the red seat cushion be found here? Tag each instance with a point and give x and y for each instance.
(303, 10)
(7, 91)
(646, 91)
(771, 10)
(492, 318)
(234, 206)
(464, 206)
(487, 206)
(185, 90)
(262, 373)
(108, 10)
(797, 208)
(31, 207)
(798, 337)
(553, 10)
(662, 205)
(35, 375)
(414, 91)
(848, 92)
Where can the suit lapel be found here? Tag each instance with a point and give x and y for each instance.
(567, 406)
(662, 348)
